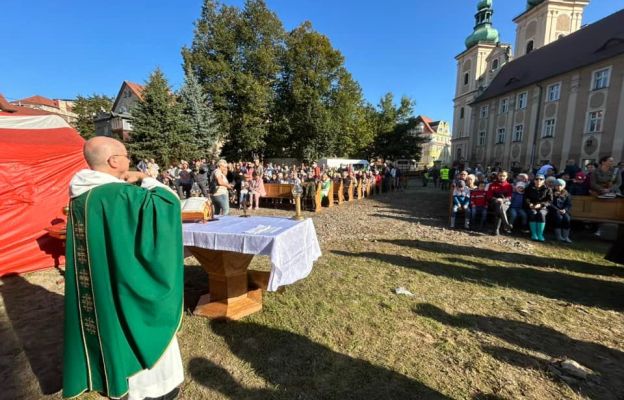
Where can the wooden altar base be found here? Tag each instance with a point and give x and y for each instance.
(235, 292)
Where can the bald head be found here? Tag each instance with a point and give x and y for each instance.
(99, 149)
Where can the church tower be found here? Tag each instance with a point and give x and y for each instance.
(476, 67)
(545, 21)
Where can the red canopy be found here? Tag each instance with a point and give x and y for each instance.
(38, 157)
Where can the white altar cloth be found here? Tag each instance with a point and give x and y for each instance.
(292, 245)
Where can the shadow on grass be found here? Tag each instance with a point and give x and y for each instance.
(195, 285)
(605, 361)
(554, 262)
(36, 321)
(551, 284)
(301, 369)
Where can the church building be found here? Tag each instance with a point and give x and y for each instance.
(559, 96)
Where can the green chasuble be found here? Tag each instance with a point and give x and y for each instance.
(123, 285)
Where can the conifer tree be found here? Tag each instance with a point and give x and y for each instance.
(199, 116)
(159, 128)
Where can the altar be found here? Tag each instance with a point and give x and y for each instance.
(225, 248)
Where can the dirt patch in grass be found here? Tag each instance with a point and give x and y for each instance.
(489, 317)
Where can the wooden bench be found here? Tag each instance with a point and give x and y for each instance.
(370, 188)
(593, 209)
(338, 190)
(348, 190)
(313, 202)
(278, 191)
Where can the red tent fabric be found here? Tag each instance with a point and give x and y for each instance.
(38, 157)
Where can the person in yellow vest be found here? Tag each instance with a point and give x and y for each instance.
(444, 178)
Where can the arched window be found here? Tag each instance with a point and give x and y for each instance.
(466, 78)
(529, 47)
(495, 64)
(461, 113)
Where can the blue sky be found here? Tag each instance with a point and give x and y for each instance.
(63, 48)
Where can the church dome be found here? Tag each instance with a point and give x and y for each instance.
(484, 4)
(533, 3)
(483, 34)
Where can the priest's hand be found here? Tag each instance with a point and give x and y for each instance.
(134, 176)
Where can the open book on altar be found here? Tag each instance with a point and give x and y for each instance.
(195, 208)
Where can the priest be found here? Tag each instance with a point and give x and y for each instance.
(123, 280)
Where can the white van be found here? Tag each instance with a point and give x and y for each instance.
(335, 163)
(406, 166)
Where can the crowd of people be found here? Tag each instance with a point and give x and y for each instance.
(527, 200)
(242, 183)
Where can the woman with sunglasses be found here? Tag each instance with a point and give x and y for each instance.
(537, 198)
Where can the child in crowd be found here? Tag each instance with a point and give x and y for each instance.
(524, 178)
(256, 188)
(478, 206)
(579, 185)
(560, 209)
(470, 182)
(461, 201)
(516, 207)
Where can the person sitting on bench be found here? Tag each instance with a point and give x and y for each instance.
(605, 181)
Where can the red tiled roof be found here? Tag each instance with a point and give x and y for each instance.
(427, 121)
(136, 88)
(38, 100)
(7, 108)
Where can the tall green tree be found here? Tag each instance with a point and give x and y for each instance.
(354, 129)
(87, 109)
(199, 115)
(159, 129)
(319, 107)
(401, 143)
(389, 115)
(310, 66)
(235, 57)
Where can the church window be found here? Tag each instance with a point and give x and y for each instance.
(495, 64)
(601, 79)
(522, 100)
(529, 47)
(466, 78)
(518, 131)
(554, 92)
(594, 122)
(481, 138)
(461, 113)
(504, 106)
(500, 136)
(549, 128)
(484, 111)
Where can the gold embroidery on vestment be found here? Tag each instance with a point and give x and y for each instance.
(81, 254)
(89, 325)
(85, 280)
(87, 302)
(79, 230)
